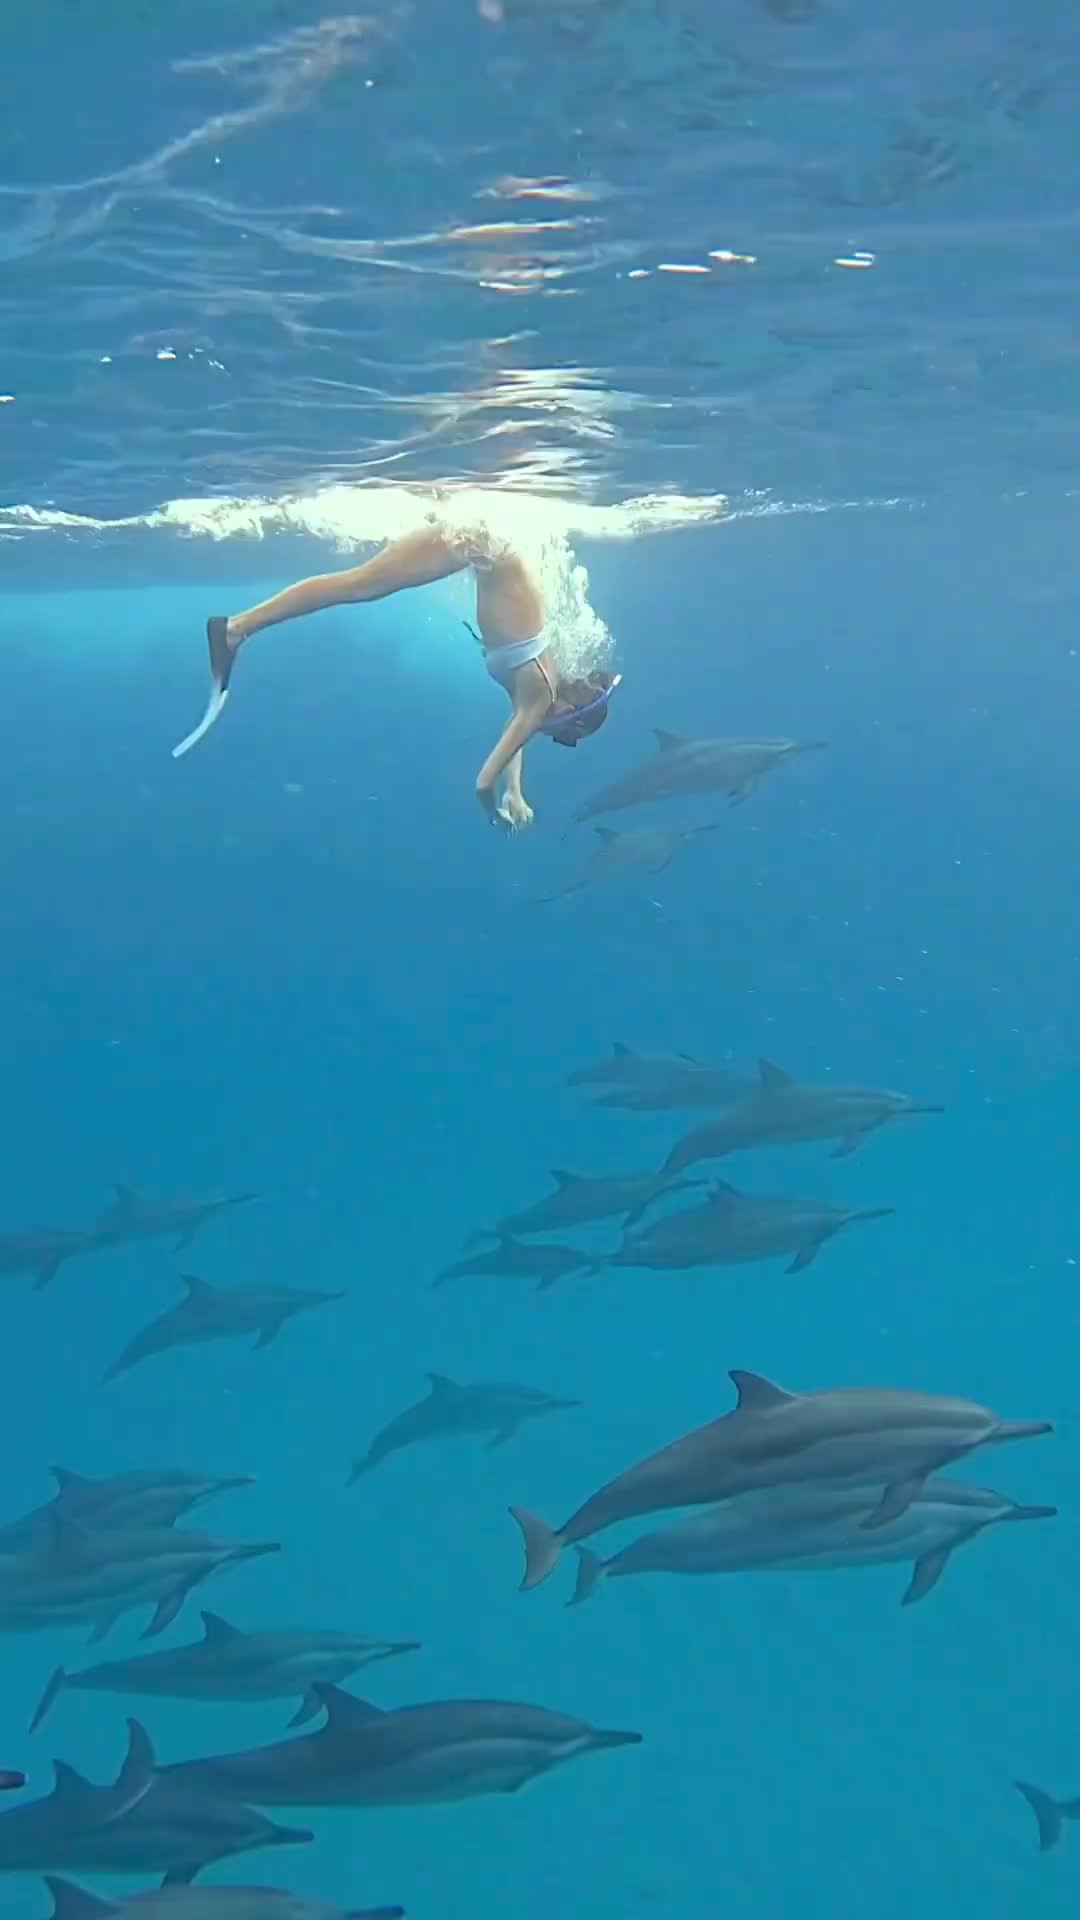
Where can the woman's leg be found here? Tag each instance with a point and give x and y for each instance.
(414, 561)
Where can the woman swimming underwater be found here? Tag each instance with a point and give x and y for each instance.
(518, 649)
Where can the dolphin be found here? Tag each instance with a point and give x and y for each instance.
(441, 1751)
(10, 1778)
(1049, 1813)
(138, 1825)
(218, 1313)
(682, 766)
(820, 1528)
(42, 1252)
(644, 850)
(71, 1902)
(622, 1067)
(783, 1112)
(95, 1576)
(137, 1216)
(733, 1229)
(489, 1407)
(845, 1436)
(578, 1198)
(545, 1263)
(227, 1664)
(145, 1497)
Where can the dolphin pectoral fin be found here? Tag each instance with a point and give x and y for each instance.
(267, 1333)
(180, 1876)
(1048, 1814)
(165, 1612)
(101, 1628)
(49, 1697)
(742, 790)
(804, 1257)
(591, 1570)
(894, 1501)
(501, 1435)
(928, 1572)
(849, 1143)
(518, 1781)
(47, 1271)
(310, 1707)
(542, 1547)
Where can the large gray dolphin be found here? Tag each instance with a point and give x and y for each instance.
(733, 1229)
(202, 1903)
(138, 1825)
(227, 1664)
(544, 1262)
(143, 1497)
(218, 1313)
(94, 1575)
(845, 1436)
(489, 1406)
(815, 1529)
(444, 1750)
(42, 1251)
(642, 850)
(682, 766)
(623, 1067)
(782, 1113)
(139, 1216)
(579, 1197)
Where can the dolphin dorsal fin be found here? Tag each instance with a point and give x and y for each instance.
(756, 1394)
(563, 1178)
(620, 1050)
(75, 1903)
(136, 1776)
(69, 1482)
(721, 1190)
(216, 1630)
(72, 1787)
(773, 1077)
(344, 1712)
(197, 1289)
(440, 1383)
(669, 742)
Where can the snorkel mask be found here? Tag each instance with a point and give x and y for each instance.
(566, 729)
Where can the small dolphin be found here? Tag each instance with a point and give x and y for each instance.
(145, 1497)
(10, 1778)
(202, 1903)
(42, 1252)
(227, 1664)
(681, 1090)
(845, 1436)
(815, 1529)
(489, 1407)
(411, 1756)
(545, 1263)
(578, 1198)
(682, 766)
(644, 850)
(783, 1113)
(1049, 1813)
(733, 1229)
(138, 1825)
(137, 1216)
(622, 1067)
(218, 1313)
(85, 1576)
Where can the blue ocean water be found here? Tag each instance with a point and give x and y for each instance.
(297, 962)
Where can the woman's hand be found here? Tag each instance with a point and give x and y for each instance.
(515, 813)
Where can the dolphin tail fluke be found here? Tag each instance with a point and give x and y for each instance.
(49, 1698)
(1048, 1813)
(591, 1570)
(542, 1547)
(894, 1501)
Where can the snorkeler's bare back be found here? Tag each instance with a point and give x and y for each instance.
(509, 606)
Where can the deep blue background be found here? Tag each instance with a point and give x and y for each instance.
(297, 961)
